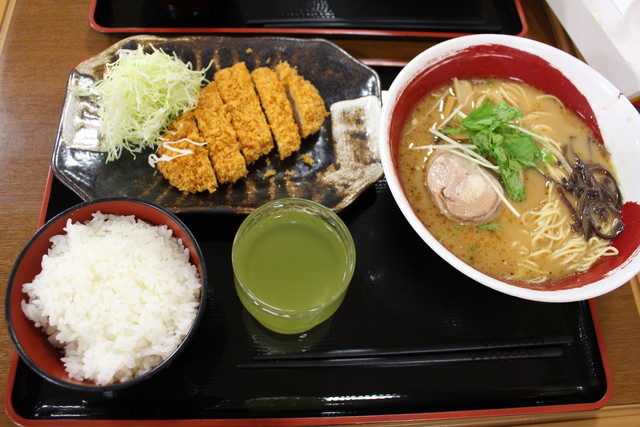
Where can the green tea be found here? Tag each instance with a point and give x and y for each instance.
(290, 263)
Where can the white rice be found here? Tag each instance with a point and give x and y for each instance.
(118, 294)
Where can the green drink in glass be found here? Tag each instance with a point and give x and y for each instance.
(293, 260)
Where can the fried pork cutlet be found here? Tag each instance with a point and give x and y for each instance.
(238, 93)
(278, 110)
(216, 128)
(308, 106)
(190, 169)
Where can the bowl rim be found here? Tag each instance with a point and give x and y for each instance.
(87, 386)
(569, 66)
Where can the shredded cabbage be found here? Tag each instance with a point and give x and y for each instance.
(139, 96)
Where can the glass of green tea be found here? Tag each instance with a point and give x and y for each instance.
(293, 260)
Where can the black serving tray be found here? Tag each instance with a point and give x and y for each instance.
(488, 354)
(371, 18)
(402, 295)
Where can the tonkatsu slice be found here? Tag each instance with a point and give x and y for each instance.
(184, 157)
(278, 110)
(238, 93)
(308, 106)
(216, 129)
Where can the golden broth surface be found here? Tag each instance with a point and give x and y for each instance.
(494, 252)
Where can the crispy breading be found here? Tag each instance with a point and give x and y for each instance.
(248, 119)
(190, 173)
(278, 110)
(234, 124)
(307, 104)
(215, 127)
(307, 159)
(184, 126)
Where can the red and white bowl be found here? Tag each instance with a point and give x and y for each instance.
(592, 97)
(31, 342)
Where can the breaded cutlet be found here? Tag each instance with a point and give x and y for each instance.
(215, 127)
(189, 173)
(278, 110)
(307, 104)
(238, 93)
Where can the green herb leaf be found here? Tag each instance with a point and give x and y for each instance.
(505, 113)
(492, 226)
(513, 184)
(482, 118)
(523, 149)
(512, 150)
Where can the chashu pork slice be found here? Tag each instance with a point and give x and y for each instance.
(461, 191)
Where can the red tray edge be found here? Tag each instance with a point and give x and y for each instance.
(311, 421)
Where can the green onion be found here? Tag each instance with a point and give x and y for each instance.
(492, 226)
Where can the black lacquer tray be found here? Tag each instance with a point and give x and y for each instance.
(495, 354)
(328, 17)
(458, 349)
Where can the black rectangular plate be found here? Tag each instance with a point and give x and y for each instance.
(402, 295)
(462, 17)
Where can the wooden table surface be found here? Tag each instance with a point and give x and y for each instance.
(41, 41)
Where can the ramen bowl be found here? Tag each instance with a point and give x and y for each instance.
(595, 101)
(33, 344)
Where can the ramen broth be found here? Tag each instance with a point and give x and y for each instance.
(502, 249)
